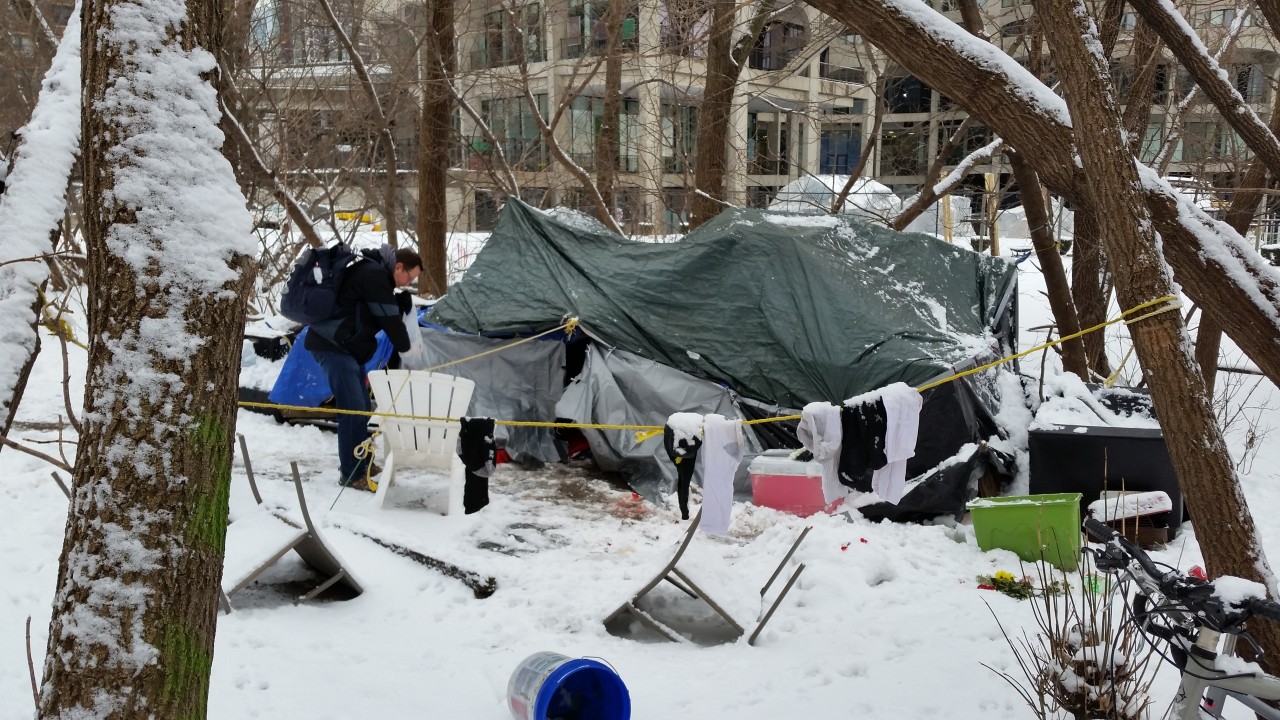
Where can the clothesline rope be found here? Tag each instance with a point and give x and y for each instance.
(645, 432)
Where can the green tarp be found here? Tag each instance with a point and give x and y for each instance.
(782, 308)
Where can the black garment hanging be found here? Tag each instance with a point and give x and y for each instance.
(683, 453)
(478, 452)
(862, 447)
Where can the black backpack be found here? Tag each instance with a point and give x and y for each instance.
(311, 292)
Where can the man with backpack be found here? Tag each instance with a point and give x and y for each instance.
(366, 302)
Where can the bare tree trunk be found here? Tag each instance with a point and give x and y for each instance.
(435, 136)
(1190, 427)
(136, 603)
(1055, 276)
(1137, 113)
(1090, 287)
(725, 61)
(710, 161)
(607, 143)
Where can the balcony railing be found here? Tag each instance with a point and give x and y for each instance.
(767, 166)
(856, 75)
(572, 48)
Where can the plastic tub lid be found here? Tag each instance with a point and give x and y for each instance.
(779, 462)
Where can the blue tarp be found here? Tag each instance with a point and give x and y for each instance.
(302, 382)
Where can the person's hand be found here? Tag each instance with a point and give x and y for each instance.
(405, 301)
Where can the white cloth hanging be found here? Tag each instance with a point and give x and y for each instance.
(722, 442)
(819, 431)
(902, 405)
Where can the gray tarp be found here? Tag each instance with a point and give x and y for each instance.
(620, 388)
(521, 382)
(783, 308)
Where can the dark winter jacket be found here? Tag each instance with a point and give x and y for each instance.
(366, 304)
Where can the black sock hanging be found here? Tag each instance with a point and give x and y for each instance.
(478, 452)
(683, 452)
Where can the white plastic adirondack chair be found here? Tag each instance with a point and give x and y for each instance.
(412, 442)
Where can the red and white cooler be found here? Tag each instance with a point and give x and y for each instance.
(781, 483)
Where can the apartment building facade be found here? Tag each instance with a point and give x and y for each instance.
(805, 103)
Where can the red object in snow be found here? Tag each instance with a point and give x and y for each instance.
(985, 586)
(501, 457)
(862, 540)
(1198, 573)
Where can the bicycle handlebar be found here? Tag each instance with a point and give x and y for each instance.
(1196, 595)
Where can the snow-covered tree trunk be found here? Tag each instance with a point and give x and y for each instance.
(170, 244)
(32, 205)
(1195, 441)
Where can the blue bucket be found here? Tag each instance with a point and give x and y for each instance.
(551, 686)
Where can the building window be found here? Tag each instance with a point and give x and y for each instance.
(1152, 141)
(907, 95)
(514, 127)
(839, 148)
(777, 45)
(1198, 141)
(487, 207)
(1017, 28)
(586, 114)
(841, 67)
(1231, 147)
(675, 215)
(60, 14)
(903, 147)
(760, 196)
(768, 143)
(510, 38)
(679, 137)
(975, 138)
(1249, 82)
(1219, 18)
(587, 32)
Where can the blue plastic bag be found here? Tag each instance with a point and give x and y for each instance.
(301, 381)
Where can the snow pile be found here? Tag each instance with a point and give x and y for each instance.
(1130, 505)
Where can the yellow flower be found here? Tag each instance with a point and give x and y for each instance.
(1003, 576)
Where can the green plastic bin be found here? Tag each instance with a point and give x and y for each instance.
(1036, 527)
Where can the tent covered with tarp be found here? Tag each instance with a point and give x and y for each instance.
(755, 313)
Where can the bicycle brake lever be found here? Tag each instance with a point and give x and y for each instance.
(1257, 649)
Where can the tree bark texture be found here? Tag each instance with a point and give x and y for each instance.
(1055, 275)
(711, 159)
(1090, 288)
(134, 614)
(435, 136)
(607, 142)
(1193, 437)
(1207, 275)
(1244, 205)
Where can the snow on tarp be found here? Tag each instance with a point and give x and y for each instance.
(868, 199)
(782, 308)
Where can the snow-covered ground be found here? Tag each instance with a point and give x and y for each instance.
(887, 620)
